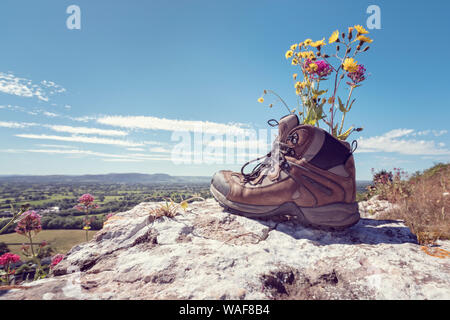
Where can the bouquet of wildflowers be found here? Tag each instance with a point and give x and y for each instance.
(316, 68)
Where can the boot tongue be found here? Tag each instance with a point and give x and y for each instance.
(285, 125)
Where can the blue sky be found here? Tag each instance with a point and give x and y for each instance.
(106, 98)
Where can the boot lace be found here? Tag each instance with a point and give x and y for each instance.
(276, 156)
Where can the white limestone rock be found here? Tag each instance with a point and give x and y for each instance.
(206, 253)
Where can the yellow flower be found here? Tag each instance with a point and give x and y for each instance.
(294, 62)
(298, 85)
(350, 29)
(334, 37)
(184, 205)
(364, 39)
(350, 65)
(307, 42)
(318, 43)
(261, 100)
(294, 76)
(294, 46)
(361, 29)
(313, 66)
(311, 54)
(289, 54)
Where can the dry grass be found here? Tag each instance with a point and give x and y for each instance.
(426, 210)
(170, 208)
(60, 240)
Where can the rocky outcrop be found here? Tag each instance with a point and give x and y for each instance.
(374, 208)
(206, 253)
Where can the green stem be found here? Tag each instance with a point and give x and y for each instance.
(344, 113)
(274, 93)
(15, 216)
(87, 215)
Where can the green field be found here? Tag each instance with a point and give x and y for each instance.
(60, 240)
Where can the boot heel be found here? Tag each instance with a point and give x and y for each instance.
(333, 215)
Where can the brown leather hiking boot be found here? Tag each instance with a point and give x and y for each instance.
(308, 174)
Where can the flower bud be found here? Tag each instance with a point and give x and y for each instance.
(343, 35)
(337, 48)
(318, 54)
(365, 49)
(326, 56)
(350, 35)
(342, 76)
(348, 50)
(358, 47)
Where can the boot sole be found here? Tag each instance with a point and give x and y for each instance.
(336, 216)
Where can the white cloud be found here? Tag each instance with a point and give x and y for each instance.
(83, 119)
(154, 123)
(436, 133)
(123, 160)
(389, 142)
(16, 125)
(50, 114)
(84, 130)
(159, 150)
(135, 149)
(153, 143)
(397, 133)
(54, 146)
(104, 156)
(82, 139)
(22, 87)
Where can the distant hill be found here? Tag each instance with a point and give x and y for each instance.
(125, 178)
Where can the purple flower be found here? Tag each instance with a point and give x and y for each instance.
(357, 76)
(317, 69)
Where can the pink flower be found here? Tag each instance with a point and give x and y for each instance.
(30, 221)
(86, 199)
(8, 258)
(56, 259)
(85, 202)
(322, 70)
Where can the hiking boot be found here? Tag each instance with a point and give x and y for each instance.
(309, 174)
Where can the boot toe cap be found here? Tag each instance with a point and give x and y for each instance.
(220, 183)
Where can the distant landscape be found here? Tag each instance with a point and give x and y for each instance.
(56, 195)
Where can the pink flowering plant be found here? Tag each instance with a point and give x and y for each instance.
(85, 204)
(322, 78)
(7, 273)
(28, 226)
(391, 186)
